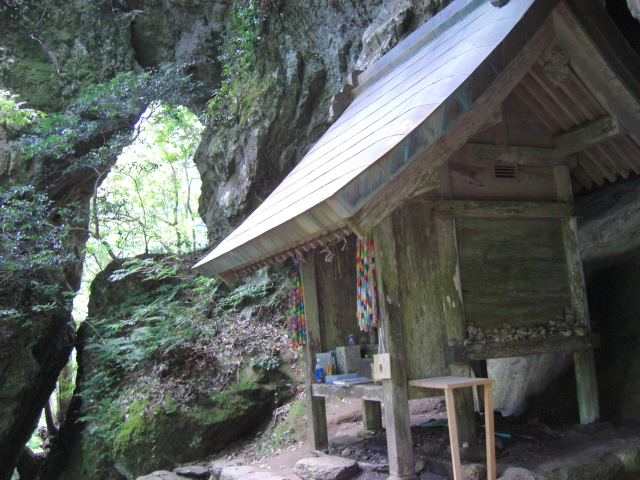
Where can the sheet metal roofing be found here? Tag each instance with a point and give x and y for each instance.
(375, 138)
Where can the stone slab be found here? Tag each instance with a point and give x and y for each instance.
(162, 475)
(193, 471)
(515, 473)
(326, 467)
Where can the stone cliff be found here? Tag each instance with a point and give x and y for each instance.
(50, 50)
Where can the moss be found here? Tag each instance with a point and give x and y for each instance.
(36, 80)
(134, 423)
(153, 438)
(170, 404)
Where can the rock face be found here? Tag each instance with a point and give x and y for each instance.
(32, 353)
(49, 51)
(582, 468)
(289, 90)
(149, 433)
(611, 249)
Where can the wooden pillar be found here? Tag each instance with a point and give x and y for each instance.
(585, 367)
(451, 293)
(316, 411)
(371, 415)
(395, 390)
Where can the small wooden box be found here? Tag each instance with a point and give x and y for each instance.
(382, 367)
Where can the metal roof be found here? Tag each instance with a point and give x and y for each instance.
(380, 133)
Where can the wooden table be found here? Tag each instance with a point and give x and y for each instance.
(448, 384)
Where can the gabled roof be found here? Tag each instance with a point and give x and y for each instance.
(412, 109)
(351, 162)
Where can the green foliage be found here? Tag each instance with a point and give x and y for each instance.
(243, 295)
(172, 320)
(266, 361)
(104, 114)
(31, 244)
(148, 202)
(238, 53)
(12, 111)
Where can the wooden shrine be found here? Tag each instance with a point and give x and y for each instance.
(460, 151)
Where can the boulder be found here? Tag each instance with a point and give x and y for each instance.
(630, 458)
(582, 467)
(193, 471)
(474, 471)
(326, 467)
(431, 476)
(244, 472)
(235, 472)
(162, 475)
(515, 473)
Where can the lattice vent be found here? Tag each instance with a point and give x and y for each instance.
(505, 170)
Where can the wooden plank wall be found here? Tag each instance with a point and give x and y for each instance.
(476, 181)
(336, 281)
(513, 271)
(423, 318)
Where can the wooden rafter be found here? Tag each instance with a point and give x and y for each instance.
(588, 134)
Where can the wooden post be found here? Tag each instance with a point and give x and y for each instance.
(490, 432)
(395, 390)
(371, 415)
(585, 367)
(316, 411)
(451, 293)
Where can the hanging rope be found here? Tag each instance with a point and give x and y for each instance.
(367, 311)
(296, 327)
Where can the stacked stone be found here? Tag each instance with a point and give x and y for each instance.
(564, 325)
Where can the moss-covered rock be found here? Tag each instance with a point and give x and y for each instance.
(172, 435)
(33, 350)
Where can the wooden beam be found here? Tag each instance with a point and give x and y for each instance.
(517, 348)
(365, 391)
(493, 209)
(588, 134)
(490, 154)
(584, 362)
(493, 120)
(316, 410)
(395, 390)
(535, 105)
(603, 68)
(620, 153)
(453, 311)
(604, 169)
(484, 91)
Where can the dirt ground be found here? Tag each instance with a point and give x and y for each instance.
(531, 443)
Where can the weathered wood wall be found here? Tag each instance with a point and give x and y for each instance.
(422, 315)
(513, 271)
(476, 181)
(336, 282)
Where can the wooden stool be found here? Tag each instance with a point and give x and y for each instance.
(448, 384)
